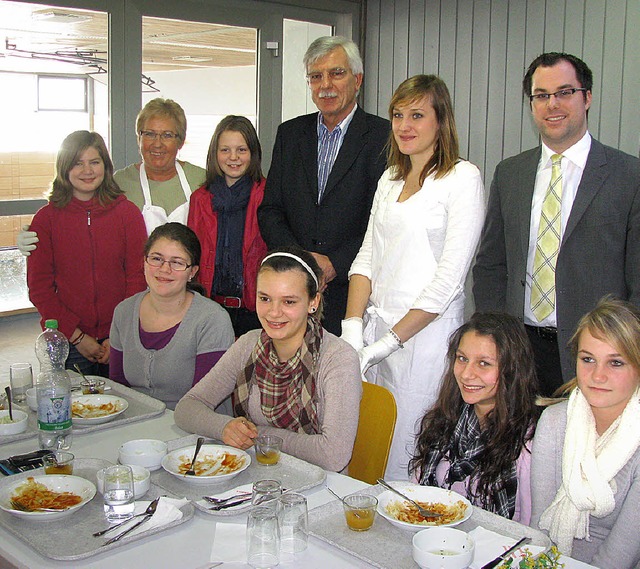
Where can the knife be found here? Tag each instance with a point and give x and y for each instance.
(506, 554)
(231, 504)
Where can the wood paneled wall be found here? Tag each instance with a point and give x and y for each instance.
(482, 48)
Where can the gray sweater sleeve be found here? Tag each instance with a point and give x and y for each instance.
(339, 389)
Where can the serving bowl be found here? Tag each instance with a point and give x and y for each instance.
(141, 480)
(143, 452)
(430, 494)
(56, 483)
(96, 401)
(210, 455)
(32, 399)
(442, 548)
(19, 424)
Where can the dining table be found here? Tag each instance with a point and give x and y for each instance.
(189, 545)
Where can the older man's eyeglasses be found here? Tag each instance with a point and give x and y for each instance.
(152, 135)
(562, 95)
(334, 74)
(175, 264)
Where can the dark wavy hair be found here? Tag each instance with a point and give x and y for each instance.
(242, 125)
(446, 151)
(283, 263)
(186, 237)
(72, 147)
(510, 424)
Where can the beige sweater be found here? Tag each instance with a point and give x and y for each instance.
(339, 389)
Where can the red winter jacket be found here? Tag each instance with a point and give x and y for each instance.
(204, 221)
(89, 258)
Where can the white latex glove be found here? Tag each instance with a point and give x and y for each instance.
(352, 332)
(376, 352)
(27, 240)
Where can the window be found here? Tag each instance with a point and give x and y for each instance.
(57, 93)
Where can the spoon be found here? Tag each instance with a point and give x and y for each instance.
(151, 509)
(79, 371)
(191, 471)
(355, 512)
(423, 511)
(8, 392)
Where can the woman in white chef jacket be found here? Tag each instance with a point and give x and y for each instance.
(406, 285)
(160, 185)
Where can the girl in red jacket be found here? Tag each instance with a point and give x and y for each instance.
(223, 215)
(90, 251)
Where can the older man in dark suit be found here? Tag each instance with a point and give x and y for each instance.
(563, 221)
(324, 171)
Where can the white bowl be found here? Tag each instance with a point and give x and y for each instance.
(431, 494)
(210, 453)
(442, 548)
(141, 480)
(55, 482)
(143, 452)
(96, 401)
(19, 424)
(32, 400)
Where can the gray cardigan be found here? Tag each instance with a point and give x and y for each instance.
(167, 374)
(615, 541)
(338, 393)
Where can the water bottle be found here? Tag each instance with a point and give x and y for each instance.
(53, 389)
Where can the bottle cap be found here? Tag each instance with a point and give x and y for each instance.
(51, 324)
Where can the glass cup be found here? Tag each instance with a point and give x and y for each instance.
(118, 493)
(266, 493)
(263, 537)
(268, 449)
(360, 511)
(293, 522)
(21, 379)
(92, 386)
(58, 462)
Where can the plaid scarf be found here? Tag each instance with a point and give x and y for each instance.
(287, 389)
(463, 453)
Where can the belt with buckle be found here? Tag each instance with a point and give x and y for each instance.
(545, 332)
(228, 301)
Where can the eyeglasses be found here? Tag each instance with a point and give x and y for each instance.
(151, 135)
(175, 264)
(334, 74)
(562, 95)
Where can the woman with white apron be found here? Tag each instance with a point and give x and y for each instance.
(406, 287)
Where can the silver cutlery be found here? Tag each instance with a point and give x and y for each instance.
(506, 554)
(151, 509)
(191, 471)
(128, 530)
(22, 508)
(231, 504)
(219, 501)
(423, 511)
(7, 390)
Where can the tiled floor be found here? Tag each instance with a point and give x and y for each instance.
(17, 339)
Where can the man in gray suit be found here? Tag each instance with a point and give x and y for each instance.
(563, 221)
(325, 170)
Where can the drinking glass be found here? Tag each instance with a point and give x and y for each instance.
(21, 379)
(268, 449)
(58, 462)
(118, 493)
(263, 538)
(266, 493)
(293, 522)
(360, 511)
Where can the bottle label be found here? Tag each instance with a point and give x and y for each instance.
(54, 413)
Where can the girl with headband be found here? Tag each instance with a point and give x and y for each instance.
(292, 378)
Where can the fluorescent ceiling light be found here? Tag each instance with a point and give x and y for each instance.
(59, 17)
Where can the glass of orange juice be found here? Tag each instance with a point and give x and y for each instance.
(58, 462)
(359, 511)
(268, 449)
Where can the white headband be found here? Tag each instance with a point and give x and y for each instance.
(295, 257)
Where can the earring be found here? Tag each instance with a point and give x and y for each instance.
(313, 309)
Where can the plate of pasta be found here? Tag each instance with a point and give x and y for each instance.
(61, 495)
(453, 507)
(214, 463)
(96, 409)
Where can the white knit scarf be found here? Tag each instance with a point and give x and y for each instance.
(589, 464)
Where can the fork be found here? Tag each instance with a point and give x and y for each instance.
(151, 509)
(22, 508)
(423, 511)
(220, 501)
(191, 471)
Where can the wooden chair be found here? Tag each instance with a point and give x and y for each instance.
(375, 431)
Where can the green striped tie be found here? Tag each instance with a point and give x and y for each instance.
(543, 282)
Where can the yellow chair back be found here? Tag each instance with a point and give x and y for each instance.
(375, 431)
